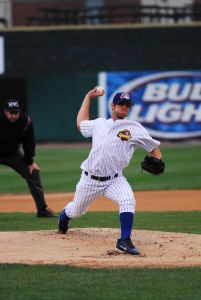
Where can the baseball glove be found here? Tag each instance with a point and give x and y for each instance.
(153, 165)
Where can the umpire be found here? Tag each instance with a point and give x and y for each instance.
(17, 150)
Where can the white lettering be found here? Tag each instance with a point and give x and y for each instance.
(13, 104)
(151, 114)
(176, 93)
(169, 113)
(196, 92)
(190, 111)
(155, 92)
(135, 113)
(149, 117)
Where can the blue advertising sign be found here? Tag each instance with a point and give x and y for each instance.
(167, 104)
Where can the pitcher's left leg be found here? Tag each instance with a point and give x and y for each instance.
(120, 191)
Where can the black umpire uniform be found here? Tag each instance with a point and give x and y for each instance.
(17, 150)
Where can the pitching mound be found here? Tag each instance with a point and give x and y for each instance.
(93, 247)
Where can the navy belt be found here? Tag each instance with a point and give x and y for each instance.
(100, 178)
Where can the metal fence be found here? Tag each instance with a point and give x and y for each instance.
(103, 14)
(116, 14)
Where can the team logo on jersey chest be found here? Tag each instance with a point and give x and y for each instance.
(124, 135)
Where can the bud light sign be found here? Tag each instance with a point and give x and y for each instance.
(167, 104)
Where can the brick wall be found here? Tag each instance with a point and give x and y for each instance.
(22, 10)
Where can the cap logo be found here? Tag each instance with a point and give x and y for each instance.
(13, 104)
(125, 96)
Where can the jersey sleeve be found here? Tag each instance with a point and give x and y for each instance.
(144, 140)
(86, 128)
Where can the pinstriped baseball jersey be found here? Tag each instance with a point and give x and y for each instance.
(113, 144)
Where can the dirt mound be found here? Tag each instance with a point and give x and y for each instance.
(95, 247)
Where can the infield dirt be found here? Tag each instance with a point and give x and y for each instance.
(95, 247)
(181, 200)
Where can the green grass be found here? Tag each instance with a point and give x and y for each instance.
(188, 222)
(54, 282)
(64, 282)
(60, 170)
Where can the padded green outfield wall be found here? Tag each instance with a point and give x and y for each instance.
(52, 69)
(44, 52)
(54, 102)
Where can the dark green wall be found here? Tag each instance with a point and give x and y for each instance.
(54, 102)
(135, 48)
(60, 66)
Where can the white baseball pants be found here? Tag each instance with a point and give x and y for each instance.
(87, 190)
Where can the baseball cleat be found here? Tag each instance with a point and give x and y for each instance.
(126, 246)
(63, 222)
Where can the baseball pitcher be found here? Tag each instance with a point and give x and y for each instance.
(113, 144)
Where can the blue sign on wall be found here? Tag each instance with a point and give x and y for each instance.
(167, 104)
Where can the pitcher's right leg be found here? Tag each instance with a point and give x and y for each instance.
(85, 194)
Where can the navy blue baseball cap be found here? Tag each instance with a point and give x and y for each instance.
(122, 97)
(12, 105)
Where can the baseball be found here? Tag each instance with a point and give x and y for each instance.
(99, 89)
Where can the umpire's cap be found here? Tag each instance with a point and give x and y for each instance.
(12, 105)
(122, 97)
